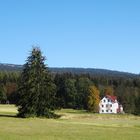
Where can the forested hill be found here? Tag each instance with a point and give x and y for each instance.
(90, 71)
(93, 71)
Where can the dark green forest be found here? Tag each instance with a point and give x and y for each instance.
(72, 86)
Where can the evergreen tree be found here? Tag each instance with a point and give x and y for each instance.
(137, 105)
(70, 93)
(82, 86)
(36, 90)
(3, 96)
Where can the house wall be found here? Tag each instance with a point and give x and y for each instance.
(107, 106)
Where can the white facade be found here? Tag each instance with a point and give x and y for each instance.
(109, 104)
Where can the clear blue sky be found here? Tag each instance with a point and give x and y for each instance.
(72, 33)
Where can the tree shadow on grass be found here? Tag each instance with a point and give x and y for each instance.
(52, 116)
(8, 116)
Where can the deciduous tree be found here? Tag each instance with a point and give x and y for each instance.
(93, 99)
(109, 90)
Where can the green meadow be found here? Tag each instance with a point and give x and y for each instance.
(72, 125)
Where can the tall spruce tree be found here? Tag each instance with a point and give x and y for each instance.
(36, 90)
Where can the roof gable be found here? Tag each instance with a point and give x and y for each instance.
(112, 98)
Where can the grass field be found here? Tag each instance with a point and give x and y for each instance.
(73, 125)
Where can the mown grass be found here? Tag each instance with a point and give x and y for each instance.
(73, 125)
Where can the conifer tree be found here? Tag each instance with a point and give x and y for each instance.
(36, 89)
(3, 96)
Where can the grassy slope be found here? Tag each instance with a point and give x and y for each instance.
(73, 125)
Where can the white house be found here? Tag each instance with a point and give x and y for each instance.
(109, 104)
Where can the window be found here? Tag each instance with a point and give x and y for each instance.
(111, 105)
(102, 110)
(107, 105)
(108, 100)
(102, 105)
(106, 110)
(110, 110)
(104, 101)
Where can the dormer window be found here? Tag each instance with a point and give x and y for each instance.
(104, 101)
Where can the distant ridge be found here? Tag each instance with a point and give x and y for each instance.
(94, 71)
(90, 71)
(10, 67)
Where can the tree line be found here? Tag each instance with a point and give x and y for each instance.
(37, 92)
(73, 90)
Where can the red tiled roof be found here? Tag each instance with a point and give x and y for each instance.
(113, 98)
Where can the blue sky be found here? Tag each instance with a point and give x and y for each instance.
(72, 33)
